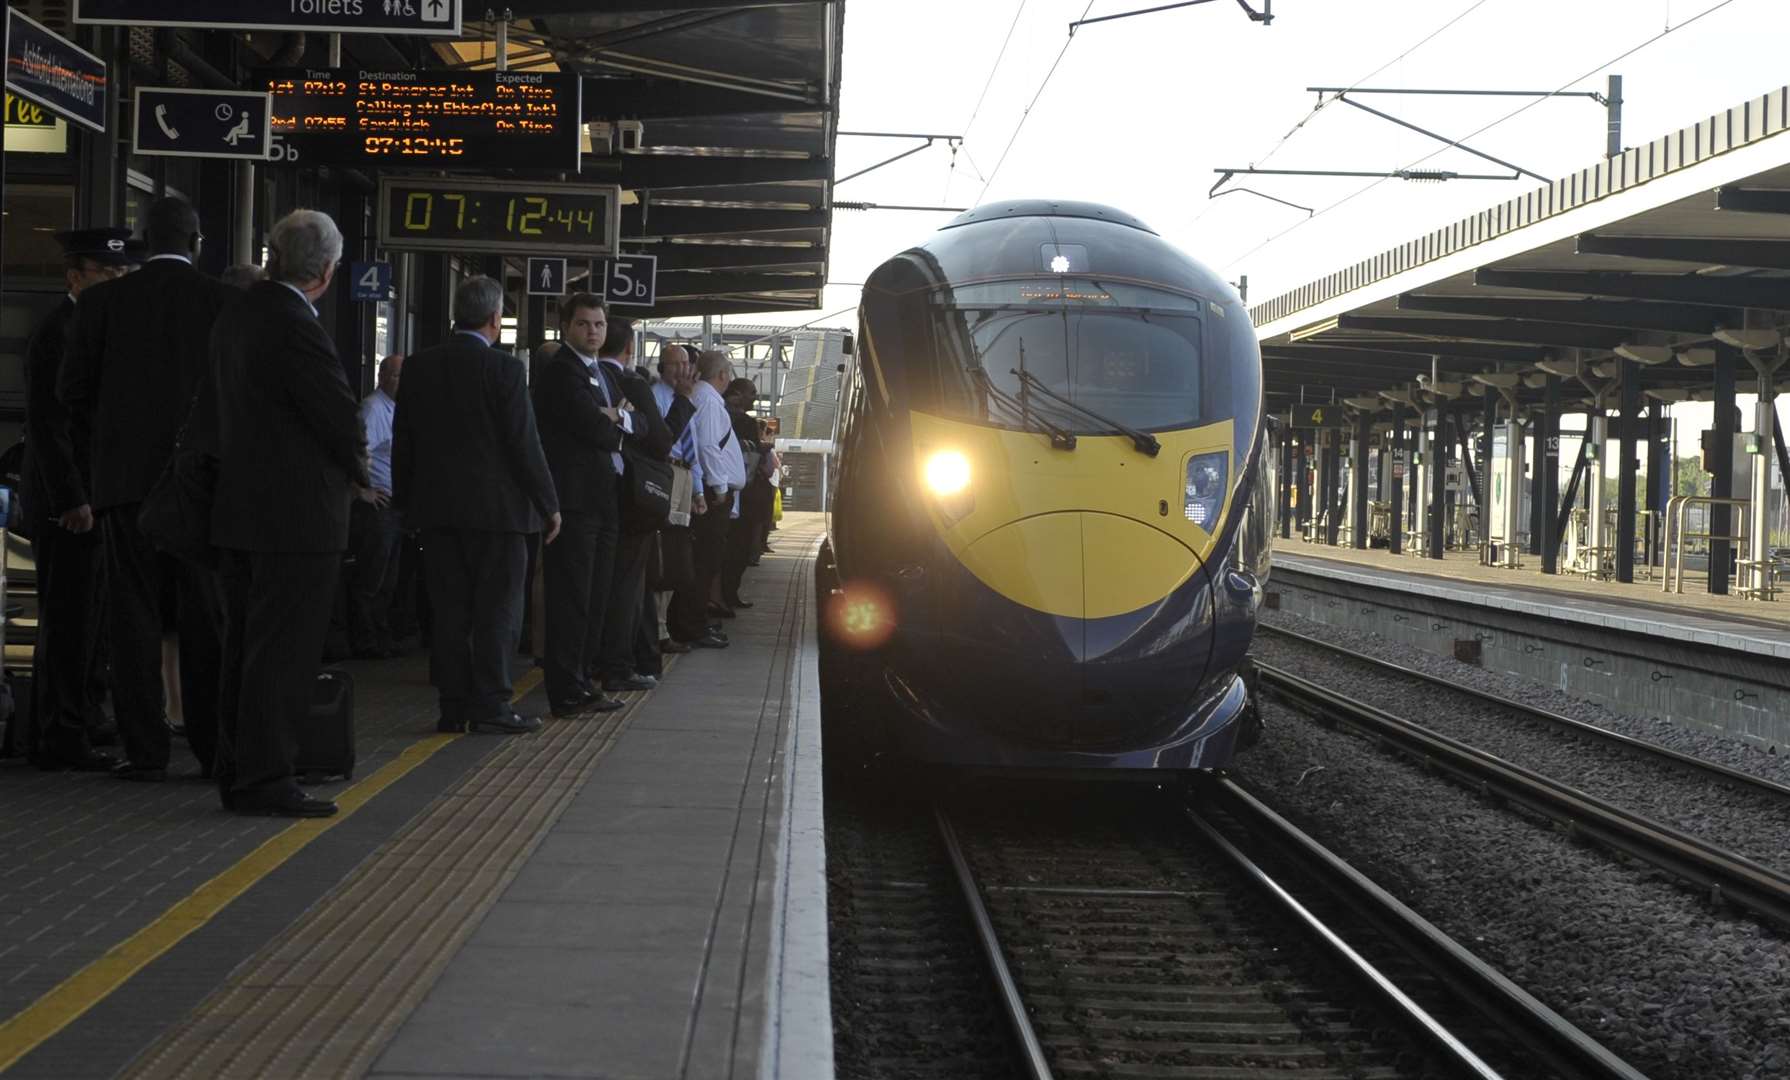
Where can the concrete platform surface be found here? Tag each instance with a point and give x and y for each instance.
(1754, 627)
(639, 894)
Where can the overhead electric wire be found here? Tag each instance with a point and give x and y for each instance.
(1712, 9)
(998, 57)
(1017, 128)
(1315, 109)
(1431, 36)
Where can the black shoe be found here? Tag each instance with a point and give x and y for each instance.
(710, 641)
(667, 645)
(450, 727)
(124, 770)
(291, 804)
(736, 602)
(507, 724)
(629, 683)
(85, 759)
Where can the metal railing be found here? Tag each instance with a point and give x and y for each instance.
(1673, 576)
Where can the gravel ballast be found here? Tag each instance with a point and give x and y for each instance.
(1752, 823)
(1729, 752)
(1676, 988)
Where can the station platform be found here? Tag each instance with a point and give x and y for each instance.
(1727, 622)
(1714, 663)
(638, 894)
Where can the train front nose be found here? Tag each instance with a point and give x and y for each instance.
(1090, 630)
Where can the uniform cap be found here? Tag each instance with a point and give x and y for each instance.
(107, 245)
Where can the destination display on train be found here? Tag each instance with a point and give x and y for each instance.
(431, 214)
(428, 119)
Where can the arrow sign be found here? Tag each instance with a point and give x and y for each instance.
(546, 277)
(202, 123)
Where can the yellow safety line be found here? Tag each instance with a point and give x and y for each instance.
(72, 997)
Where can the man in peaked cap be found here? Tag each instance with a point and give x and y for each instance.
(59, 519)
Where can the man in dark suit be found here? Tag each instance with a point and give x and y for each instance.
(467, 471)
(59, 522)
(618, 659)
(137, 352)
(291, 453)
(582, 425)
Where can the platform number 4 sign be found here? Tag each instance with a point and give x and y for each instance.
(631, 279)
(371, 281)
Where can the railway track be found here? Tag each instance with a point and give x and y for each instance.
(1118, 953)
(1604, 737)
(1724, 875)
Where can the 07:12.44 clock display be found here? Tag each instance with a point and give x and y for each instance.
(490, 216)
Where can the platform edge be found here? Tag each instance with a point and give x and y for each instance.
(798, 1037)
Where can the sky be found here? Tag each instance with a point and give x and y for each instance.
(1140, 111)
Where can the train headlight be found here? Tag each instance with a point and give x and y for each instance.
(1205, 489)
(947, 473)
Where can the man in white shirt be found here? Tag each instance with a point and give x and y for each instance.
(375, 526)
(723, 474)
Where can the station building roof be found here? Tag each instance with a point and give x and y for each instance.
(1655, 255)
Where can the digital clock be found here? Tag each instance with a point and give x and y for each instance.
(498, 216)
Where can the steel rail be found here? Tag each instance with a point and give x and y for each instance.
(1542, 1030)
(1433, 1030)
(1757, 888)
(1031, 1052)
(1615, 738)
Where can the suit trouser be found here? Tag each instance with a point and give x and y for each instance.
(277, 607)
(373, 539)
(688, 618)
(137, 576)
(618, 657)
(577, 568)
(63, 660)
(475, 601)
(647, 658)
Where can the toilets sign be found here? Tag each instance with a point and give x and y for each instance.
(437, 17)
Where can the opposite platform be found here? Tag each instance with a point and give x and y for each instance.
(1713, 663)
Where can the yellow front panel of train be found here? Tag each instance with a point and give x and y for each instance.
(1040, 525)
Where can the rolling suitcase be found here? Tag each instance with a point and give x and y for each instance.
(326, 741)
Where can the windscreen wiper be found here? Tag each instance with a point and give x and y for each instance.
(1145, 442)
(1060, 439)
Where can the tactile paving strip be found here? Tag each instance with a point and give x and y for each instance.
(324, 997)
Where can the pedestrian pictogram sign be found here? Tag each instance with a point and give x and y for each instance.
(546, 277)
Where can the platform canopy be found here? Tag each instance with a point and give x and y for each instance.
(737, 103)
(1656, 255)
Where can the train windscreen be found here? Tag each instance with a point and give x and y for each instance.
(1127, 352)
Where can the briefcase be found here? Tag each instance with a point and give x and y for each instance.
(326, 739)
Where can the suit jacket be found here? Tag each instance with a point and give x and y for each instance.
(57, 464)
(677, 418)
(137, 349)
(288, 434)
(578, 439)
(465, 450)
(651, 435)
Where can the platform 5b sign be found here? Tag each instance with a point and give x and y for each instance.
(1319, 416)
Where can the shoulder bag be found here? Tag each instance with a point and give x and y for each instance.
(176, 514)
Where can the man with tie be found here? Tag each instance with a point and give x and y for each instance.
(582, 426)
(56, 478)
(137, 353)
(467, 471)
(291, 453)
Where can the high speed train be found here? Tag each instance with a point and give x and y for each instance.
(1050, 514)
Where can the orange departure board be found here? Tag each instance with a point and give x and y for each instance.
(426, 119)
